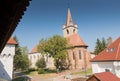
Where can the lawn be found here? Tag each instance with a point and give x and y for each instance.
(87, 72)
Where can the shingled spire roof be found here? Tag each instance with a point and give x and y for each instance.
(69, 18)
(73, 37)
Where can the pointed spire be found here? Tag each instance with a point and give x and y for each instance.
(69, 18)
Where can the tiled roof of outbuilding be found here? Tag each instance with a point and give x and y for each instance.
(11, 41)
(104, 76)
(34, 50)
(111, 53)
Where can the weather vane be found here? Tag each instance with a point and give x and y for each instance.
(69, 3)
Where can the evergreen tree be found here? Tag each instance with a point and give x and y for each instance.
(17, 47)
(17, 56)
(104, 44)
(100, 46)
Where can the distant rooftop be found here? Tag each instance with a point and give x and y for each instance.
(111, 53)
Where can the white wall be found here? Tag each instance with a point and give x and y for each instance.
(117, 68)
(114, 67)
(34, 57)
(73, 29)
(6, 62)
(98, 67)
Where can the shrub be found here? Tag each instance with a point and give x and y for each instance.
(50, 70)
(32, 69)
(41, 63)
(41, 71)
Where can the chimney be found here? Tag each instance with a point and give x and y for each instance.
(109, 41)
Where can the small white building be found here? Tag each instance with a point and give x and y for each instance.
(6, 60)
(108, 59)
(34, 56)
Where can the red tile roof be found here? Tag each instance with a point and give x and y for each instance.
(111, 53)
(11, 41)
(34, 50)
(76, 40)
(106, 76)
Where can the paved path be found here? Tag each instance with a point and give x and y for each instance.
(63, 76)
(59, 78)
(53, 77)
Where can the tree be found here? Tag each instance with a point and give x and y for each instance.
(25, 60)
(17, 56)
(41, 63)
(100, 46)
(21, 61)
(17, 48)
(55, 47)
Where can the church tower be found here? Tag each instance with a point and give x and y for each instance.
(79, 56)
(70, 27)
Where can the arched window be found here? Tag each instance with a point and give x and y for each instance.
(4, 55)
(80, 57)
(38, 56)
(67, 31)
(9, 55)
(73, 30)
(34, 56)
(73, 55)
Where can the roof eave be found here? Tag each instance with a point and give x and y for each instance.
(103, 60)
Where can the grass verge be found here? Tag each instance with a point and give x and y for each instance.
(87, 72)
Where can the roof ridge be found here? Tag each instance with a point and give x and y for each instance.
(118, 50)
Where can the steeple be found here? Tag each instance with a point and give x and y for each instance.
(70, 27)
(69, 18)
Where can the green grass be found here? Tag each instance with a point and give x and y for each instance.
(87, 72)
(46, 71)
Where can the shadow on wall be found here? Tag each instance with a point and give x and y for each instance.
(3, 72)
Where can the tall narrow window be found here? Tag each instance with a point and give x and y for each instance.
(67, 31)
(73, 30)
(80, 57)
(9, 55)
(73, 55)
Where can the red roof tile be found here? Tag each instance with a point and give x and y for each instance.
(34, 50)
(106, 76)
(76, 40)
(11, 41)
(111, 53)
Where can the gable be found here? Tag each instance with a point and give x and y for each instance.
(111, 53)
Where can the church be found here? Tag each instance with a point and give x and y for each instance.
(78, 57)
